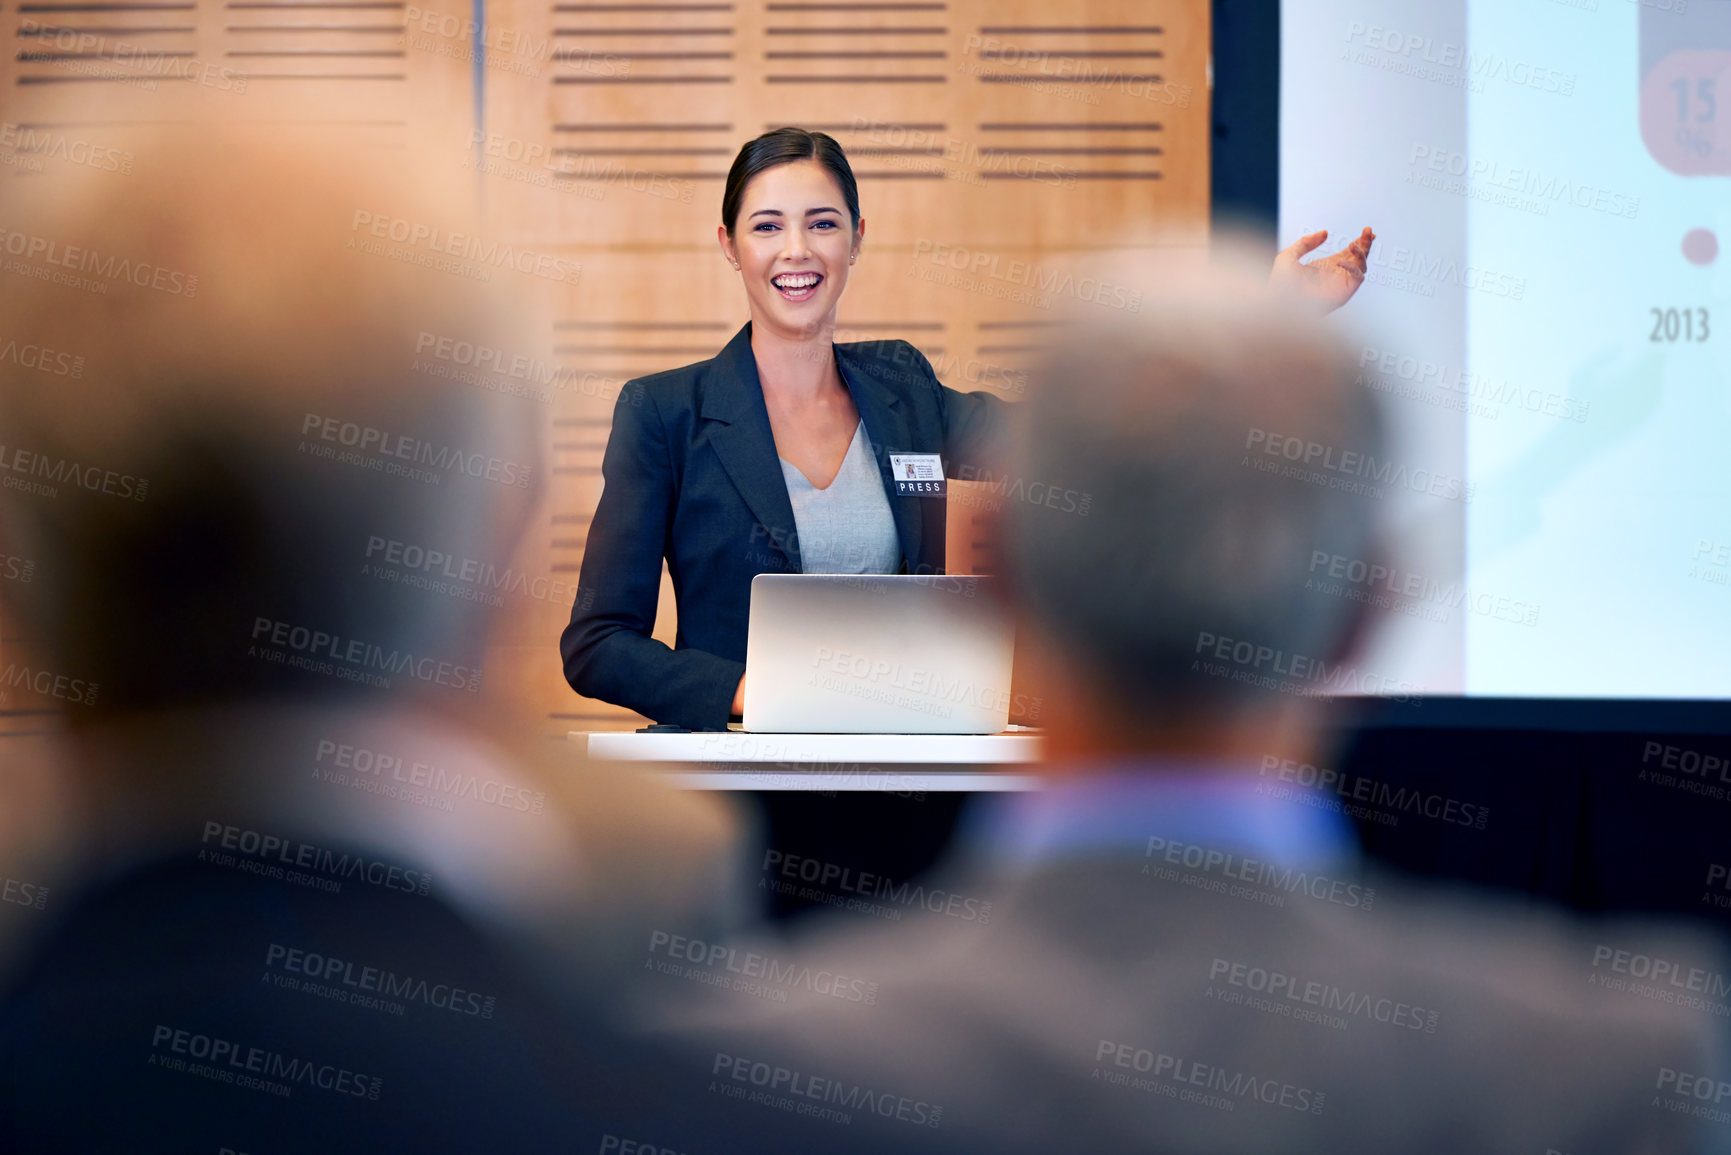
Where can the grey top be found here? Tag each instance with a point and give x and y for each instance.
(846, 528)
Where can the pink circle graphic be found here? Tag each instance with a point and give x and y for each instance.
(1700, 246)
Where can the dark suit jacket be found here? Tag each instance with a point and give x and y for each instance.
(473, 1056)
(691, 474)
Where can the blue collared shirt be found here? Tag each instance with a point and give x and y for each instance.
(1118, 807)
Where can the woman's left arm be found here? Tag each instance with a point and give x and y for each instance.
(974, 422)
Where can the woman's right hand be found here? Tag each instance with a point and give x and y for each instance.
(739, 697)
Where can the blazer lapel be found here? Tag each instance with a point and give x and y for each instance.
(733, 397)
(887, 430)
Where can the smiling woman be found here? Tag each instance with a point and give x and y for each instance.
(774, 456)
(786, 452)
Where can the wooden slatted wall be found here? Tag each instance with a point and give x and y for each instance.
(996, 144)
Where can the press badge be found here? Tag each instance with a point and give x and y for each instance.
(918, 474)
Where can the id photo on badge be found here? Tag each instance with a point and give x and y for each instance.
(918, 474)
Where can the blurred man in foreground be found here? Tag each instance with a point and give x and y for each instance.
(1173, 948)
(306, 891)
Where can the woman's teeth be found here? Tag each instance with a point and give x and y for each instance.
(797, 286)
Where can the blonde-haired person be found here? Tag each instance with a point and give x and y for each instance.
(312, 885)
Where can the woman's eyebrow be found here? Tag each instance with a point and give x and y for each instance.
(808, 212)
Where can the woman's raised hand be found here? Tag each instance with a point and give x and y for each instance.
(1329, 282)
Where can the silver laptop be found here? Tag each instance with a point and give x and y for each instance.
(869, 654)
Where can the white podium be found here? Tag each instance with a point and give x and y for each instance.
(878, 763)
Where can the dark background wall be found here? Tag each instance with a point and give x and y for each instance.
(1595, 821)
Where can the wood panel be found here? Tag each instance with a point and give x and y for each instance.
(998, 146)
(80, 77)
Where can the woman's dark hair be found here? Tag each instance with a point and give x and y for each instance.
(784, 146)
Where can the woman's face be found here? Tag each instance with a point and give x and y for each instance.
(793, 243)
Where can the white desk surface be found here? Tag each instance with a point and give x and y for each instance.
(878, 763)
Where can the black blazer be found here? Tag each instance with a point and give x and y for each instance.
(691, 474)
